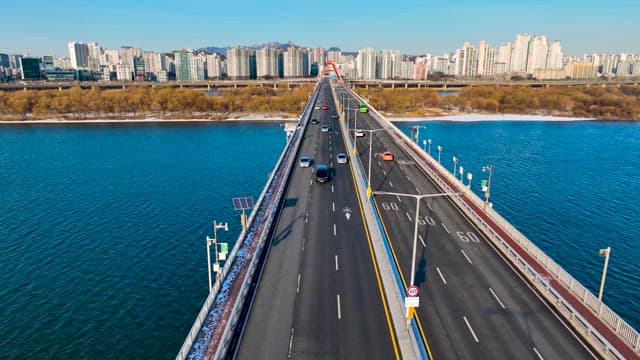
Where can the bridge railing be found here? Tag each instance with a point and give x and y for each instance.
(474, 207)
(281, 172)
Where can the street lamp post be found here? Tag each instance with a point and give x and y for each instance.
(469, 177)
(439, 152)
(461, 169)
(429, 142)
(370, 131)
(418, 198)
(455, 165)
(604, 252)
(214, 242)
(424, 145)
(487, 191)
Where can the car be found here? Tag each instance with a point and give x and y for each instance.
(325, 128)
(342, 158)
(387, 156)
(334, 116)
(359, 133)
(322, 174)
(317, 107)
(325, 107)
(315, 121)
(305, 161)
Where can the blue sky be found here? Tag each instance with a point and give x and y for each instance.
(413, 27)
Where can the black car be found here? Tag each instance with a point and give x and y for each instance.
(322, 173)
(315, 121)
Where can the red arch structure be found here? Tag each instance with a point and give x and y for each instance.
(329, 67)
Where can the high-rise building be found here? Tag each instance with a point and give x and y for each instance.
(138, 69)
(581, 70)
(267, 62)
(537, 53)
(466, 61)
(196, 67)
(94, 56)
(123, 72)
(316, 56)
(335, 56)
(48, 63)
(152, 62)
(182, 60)
(519, 53)
(486, 59)
(240, 63)
(214, 66)
(111, 57)
(296, 62)
(79, 55)
(4, 61)
(554, 57)
(30, 68)
(389, 64)
(366, 63)
(503, 59)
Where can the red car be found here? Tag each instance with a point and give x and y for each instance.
(325, 107)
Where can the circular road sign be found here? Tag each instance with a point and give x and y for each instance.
(413, 291)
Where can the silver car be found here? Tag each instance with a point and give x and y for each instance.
(305, 161)
(342, 158)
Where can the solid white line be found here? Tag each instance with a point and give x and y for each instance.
(390, 183)
(333, 206)
(334, 229)
(445, 227)
(429, 205)
(537, 353)
(290, 343)
(331, 188)
(470, 329)
(465, 256)
(384, 172)
(441, 277)
(298, 288)
(497, 298)
(399, 198)
(339, 313)
(409, 216)
(422, 241)
(336, 262)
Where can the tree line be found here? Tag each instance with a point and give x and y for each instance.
(609, 102)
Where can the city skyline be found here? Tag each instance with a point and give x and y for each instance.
(412, 27)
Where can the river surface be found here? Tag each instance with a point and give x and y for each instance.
(102, 227)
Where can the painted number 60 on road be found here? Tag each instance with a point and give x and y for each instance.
(465, 237)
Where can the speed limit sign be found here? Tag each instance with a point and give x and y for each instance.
(413, 291)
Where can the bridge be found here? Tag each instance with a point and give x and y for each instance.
(393, 257)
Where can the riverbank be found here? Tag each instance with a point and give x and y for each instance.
(242, 118)
(473, 117)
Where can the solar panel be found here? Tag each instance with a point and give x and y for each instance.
(236, 204)
(243, 203)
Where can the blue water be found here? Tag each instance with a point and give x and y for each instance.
(102, 228)
(571, 187)
(102, 232)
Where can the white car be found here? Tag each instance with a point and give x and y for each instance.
(305, 161)
(359, 133)
(342, 158)
(325, 128)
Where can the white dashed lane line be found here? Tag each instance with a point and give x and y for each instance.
(465, 256)
(497, 298)
(445, 227)
(409, 216)
(441, 276)
(470, 329)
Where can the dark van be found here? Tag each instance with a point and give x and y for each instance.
(322, 173)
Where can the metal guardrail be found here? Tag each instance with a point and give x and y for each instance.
(275, 175)
(601, 310)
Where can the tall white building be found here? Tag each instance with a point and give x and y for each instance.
(537, 54)
(334, 56)
(519, 53)
(94, 56)
(503, 59)
(78, 55)
(366, 63)
(152, 62)
(123, 72)
(214, 66)
(554, 57)
(238, 63)
(196, 67)
(294, 61)
(111, 58)
(317, 56)
(466, 61)
(486, 59)
(267, 62)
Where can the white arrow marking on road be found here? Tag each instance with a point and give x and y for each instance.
(347, 215)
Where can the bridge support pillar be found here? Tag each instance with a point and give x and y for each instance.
(124, 87)
(393, 86)
(60, 88)
(406, 85)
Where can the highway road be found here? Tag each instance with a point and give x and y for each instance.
(319, 294)
(473, 305)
